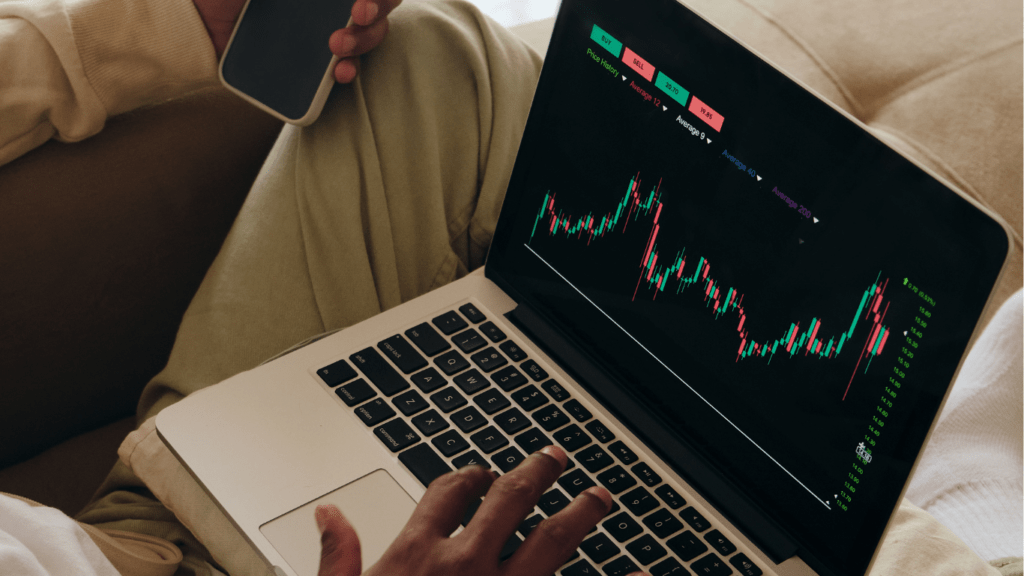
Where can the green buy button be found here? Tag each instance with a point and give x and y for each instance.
(677, 92)
(605, 39)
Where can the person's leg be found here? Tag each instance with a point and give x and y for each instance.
(394, 191)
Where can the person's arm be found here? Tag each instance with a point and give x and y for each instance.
(68, 65)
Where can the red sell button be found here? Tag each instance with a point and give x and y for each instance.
(637, 63)
(713, 119)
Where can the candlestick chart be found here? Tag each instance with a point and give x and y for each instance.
(675, 271)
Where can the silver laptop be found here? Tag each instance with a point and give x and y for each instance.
(726, 300)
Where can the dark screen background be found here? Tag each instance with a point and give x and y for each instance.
(782, 430)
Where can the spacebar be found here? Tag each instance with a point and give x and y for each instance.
(424, 463)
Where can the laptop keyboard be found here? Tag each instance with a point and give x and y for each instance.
(456, 391)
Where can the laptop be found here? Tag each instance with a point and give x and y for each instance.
(725, 299)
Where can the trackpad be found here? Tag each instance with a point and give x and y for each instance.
(376, 506)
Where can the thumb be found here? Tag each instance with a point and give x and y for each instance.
(339, 545)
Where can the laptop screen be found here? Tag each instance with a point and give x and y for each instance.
(777, 287)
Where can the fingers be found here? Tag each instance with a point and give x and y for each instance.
(442, 507)
(366, 12)
(349, 43)
(340, 553)
(551, 543)
(356, 40)
(511, 497)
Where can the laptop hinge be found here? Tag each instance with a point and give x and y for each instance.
(756, 525)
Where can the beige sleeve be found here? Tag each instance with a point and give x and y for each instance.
(68, 65)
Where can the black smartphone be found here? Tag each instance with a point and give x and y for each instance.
(278, 59)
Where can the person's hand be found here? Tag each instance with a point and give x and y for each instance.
(425, 546)
(369, 26)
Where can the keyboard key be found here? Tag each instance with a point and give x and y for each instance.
(663, 523)
(430, 423)
(577, 411)
(529, 524)
(396, 435)
(410, 402)
(645, 473)
(694, 519)
(451, 362)
(471, 382)
(639, 501)
(355, 392)
(622, 527)
(512, 421)
(450, 443)
(594, 458)
(711, 565)
(670, 567)
(599, 548)
(492, 332)
(669, 496)
(428, 380)
(448, 399)
(533, 370)
(575, 482)
(402, 354)
(572, 438)
(336, 373)
(529, 398)
(471, 458)
(600, 431)
(623, 453)
(488, 359)
(509, 378)
(616, 480)
(449, 323)
(719, 542)
(687, 546)
(469, 419)
(508, 459)
(581, 568)
(427, 339)
(491, 401)
(469, 340)
(472, 313)
(513, 351)
(424, 463)
(532, 440)
(551, 417)
(379, 372)
(553, 501)
(555, 390)
(745, 567)
(374, 412)
(489, 439)
(620, 567)
(646, 550)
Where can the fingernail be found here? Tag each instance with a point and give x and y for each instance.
(556, 453)
(371, 10)
(348, 44)
(321, 516)
(602, 494)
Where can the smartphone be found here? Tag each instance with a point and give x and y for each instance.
(278, 59)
